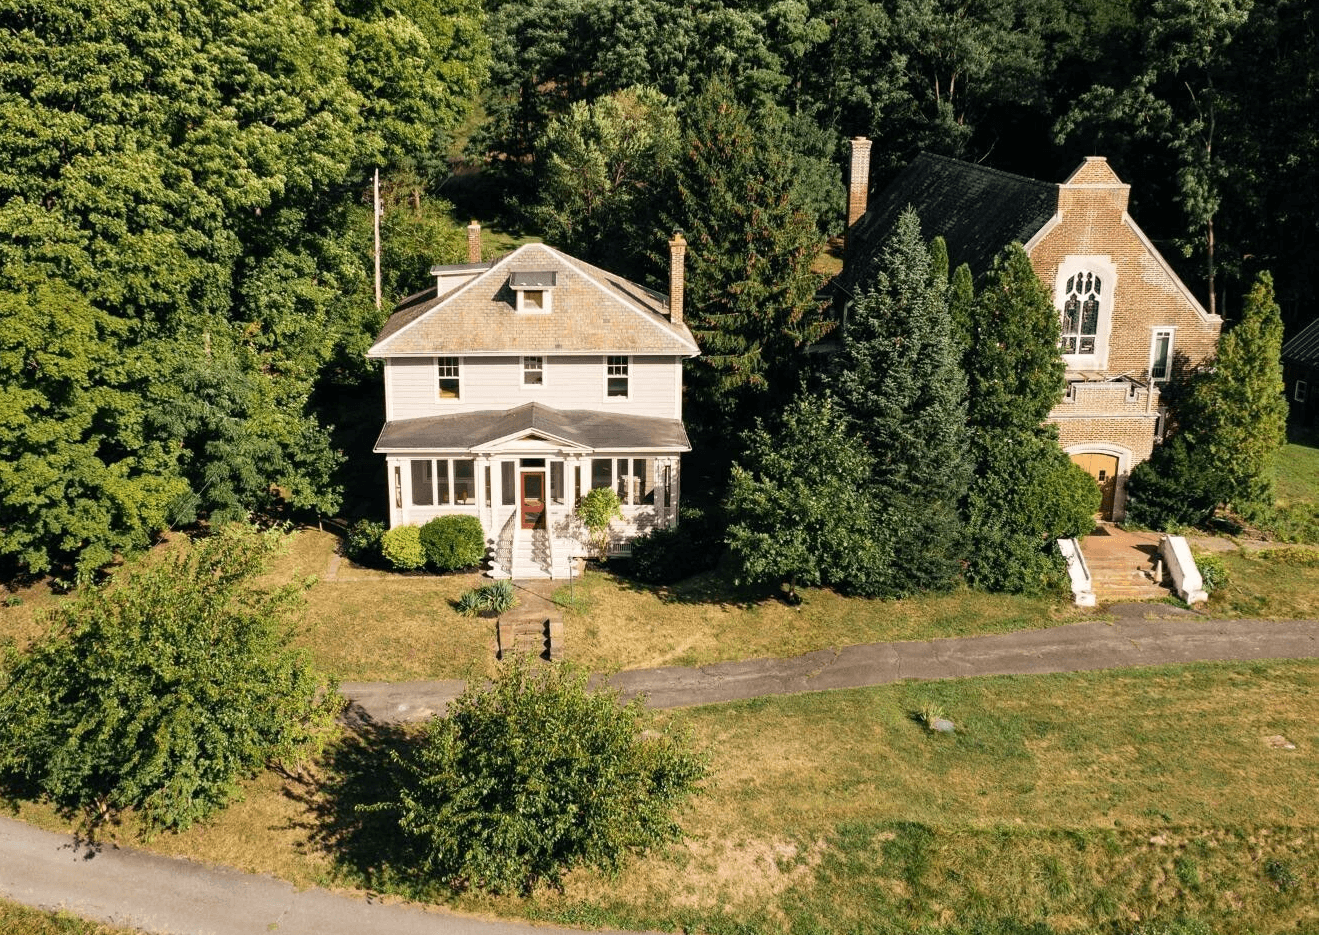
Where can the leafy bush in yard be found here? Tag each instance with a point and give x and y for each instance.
(666, 555)
(453, 542)
(1212, 571)
(401, 548)
(160, 694)
(1170, 489)
(362, 541)
(498, 596)
(596, 511)
(536, 775)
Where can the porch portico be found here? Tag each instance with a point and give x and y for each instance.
(521, 472)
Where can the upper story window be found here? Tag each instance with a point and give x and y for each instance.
(534, 290)
(616, 376)
(450, 377)
(1161, 354)
(533, 371)
(1081, 313)
(1084, 290)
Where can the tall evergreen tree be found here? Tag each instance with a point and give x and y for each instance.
(751, 291)
(1026, 492)
(899, 379)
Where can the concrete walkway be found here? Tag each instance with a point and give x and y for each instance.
(132, 888)
(1131, 640)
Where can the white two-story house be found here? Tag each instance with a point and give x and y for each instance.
(519, 384)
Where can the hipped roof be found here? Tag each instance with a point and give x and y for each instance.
(591, 311)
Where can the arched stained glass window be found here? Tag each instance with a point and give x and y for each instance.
(1081, 313)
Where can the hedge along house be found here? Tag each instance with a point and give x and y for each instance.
(1129, 324)
(515, 386)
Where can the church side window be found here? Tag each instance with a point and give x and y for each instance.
(1080, 322)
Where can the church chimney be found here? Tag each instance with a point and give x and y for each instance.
(677, 275)
(474, 242)
(858, 186)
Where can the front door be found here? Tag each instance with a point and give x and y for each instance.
(1103, 468)
(533, 498)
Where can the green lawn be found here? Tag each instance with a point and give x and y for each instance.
(1296, 485)
(1084, 803)
(17, 919)
(1273, 583)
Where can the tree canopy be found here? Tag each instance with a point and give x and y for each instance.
(179, 251)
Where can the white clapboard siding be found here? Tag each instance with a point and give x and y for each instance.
(654, 386)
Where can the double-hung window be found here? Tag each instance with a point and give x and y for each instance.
(1161, 354)
(616, 376)
(533, 371)
(449, 373)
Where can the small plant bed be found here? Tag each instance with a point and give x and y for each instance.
(492, 599)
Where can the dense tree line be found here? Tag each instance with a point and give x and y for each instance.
(183, 250)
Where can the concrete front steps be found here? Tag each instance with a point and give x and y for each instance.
(1123, 565)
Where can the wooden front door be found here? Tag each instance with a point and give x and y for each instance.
(1103, 468)
(533, 499)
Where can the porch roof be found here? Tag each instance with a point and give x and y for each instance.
(578, 428)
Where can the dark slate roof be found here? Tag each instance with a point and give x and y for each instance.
(977, 210)
(1303, 348)
(595, 431)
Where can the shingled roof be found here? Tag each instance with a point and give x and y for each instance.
(1303, 348)
(591, 311)
(977, 210)
(587, 429)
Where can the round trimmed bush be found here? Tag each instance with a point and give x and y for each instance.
(453, 542)
(401, 547)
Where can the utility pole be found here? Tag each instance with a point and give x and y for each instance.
(375, 213)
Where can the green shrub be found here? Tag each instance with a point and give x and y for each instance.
(401, 548)
(453, 542)
(1213, 571)
(362, 541)
(666, 555)
(1170, 489)
(498, 596)
(164, 693)
(535, 775)
(596, 510)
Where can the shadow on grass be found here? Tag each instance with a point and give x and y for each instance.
(707, 587)
(361, 776)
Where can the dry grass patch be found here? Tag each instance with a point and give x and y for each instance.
(16, 919)
(618, 624)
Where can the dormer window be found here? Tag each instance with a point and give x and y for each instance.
(533, 291)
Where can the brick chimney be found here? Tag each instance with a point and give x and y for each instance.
(677, 275)
(858, 185)
(474, 242)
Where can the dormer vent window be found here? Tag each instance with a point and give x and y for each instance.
(533, 290)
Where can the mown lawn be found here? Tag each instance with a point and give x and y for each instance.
(1278, 583)
(1081, 803)
(16, 919)
(379, 625)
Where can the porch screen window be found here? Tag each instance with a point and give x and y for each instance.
(645, 474)
(448, 374)
(601, 472)
(623, 479)
(533, 371)
(464, 481)
(556, 482)
(1081, 314)
(487, 485)
(423, 483)
(442, 476)
(1160, 354)
(508, 482)
(616, 376)
(1298, 391)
